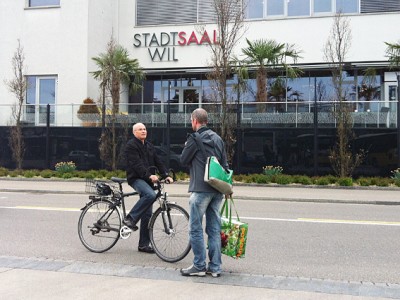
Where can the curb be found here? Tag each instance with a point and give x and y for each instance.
(237, 197)
(275, 185)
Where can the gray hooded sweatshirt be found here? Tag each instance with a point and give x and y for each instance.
(193, 157)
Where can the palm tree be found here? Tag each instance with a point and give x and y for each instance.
(269, 54)
(393, 53)
(115, 69)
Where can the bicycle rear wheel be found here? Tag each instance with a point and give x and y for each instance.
(99, 226)
(169, 233)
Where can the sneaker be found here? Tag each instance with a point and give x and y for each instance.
(128, 222)
(213, 274)
(192, 271)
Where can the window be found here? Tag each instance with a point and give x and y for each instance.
(255, 9)
(298, 8)
(322, 6)
(38, 3)
(347, 6)
(41, 91)
(275, 7)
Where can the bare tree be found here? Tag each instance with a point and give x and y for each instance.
(342, 159)
(229, 19)
(18, 86)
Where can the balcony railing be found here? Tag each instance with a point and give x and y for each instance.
(258, 115)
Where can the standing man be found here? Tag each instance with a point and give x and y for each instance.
(203, 199)
(140, 156)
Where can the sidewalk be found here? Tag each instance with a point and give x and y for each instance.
(32, 278)
(354, 195)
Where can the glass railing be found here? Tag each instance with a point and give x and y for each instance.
(269, 114)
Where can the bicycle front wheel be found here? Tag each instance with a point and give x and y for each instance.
(169, 233)
(99, 226)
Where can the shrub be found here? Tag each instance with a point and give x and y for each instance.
(88, 107)
(180, 175)
(345, 181)
(396, 174)
(46, 173)
(332, 179)
(302, 179)
(15, 173)
(259, 178)
(383, 182)
(3, 172)
(239, 178)
(67, 175)
(102, 173)
(378, 181)
(322, 181)
(272, 170)
(91, 174)
(65, 167)
(29, 173)
(79, 174)
(282, 179)
(362, 181)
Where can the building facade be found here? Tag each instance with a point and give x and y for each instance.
(171, 39)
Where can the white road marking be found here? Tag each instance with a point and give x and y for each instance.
(327, 221)
(301, 220)
(41, 208)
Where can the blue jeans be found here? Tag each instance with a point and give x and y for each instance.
(208, 204)
(143, 209)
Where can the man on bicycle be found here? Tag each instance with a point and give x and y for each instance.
(140, 157)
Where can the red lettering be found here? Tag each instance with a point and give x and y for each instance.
(205, 38)
(215, 37)
(193, 39)
(182, 38)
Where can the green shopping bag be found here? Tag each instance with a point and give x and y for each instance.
(233, 231)
(217, 176)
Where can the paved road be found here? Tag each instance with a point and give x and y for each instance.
(23, 277)
(255, 192)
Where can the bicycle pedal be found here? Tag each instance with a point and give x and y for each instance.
(125, 232)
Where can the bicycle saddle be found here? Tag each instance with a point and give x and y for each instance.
(118, 180)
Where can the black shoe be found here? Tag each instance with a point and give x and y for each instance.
(146, 249)
(128, 222)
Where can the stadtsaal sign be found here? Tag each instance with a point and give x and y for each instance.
(162, 46)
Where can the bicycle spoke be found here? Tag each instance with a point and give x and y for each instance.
(99, 226)
(173, 245)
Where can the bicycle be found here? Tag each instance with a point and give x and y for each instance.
(101, 225)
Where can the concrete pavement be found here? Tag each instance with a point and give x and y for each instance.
(44, 278)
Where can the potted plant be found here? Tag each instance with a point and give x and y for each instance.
(88, 112)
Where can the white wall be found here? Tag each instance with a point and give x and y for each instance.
(54, 42)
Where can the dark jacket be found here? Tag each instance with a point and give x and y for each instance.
(193, 157)
(139, 157)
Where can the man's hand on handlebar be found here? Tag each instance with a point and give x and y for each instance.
(153, 178)
(169, 180)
